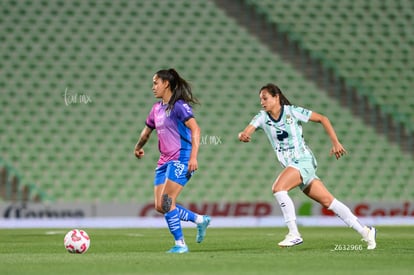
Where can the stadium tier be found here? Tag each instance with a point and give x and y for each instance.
(76, 82)
(369, 43)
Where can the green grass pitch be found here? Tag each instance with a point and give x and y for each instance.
(334, 250)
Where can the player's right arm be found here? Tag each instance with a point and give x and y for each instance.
(245, 136)
(143, 138)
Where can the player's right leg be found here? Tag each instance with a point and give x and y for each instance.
(165, 194)
(288, 210)
(289, 178)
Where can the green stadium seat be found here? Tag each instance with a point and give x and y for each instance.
(366, 44)
(108, 50)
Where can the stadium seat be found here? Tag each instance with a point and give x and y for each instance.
(370, 44)
(109, 52)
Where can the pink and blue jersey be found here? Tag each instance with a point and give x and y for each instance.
(174, 138)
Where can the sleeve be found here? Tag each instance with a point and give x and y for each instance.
(300, 113)
(258, 120)
(150, 121)
(183, 111)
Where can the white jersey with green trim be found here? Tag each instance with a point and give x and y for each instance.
(285, 132)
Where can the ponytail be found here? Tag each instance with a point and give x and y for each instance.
(180, 88)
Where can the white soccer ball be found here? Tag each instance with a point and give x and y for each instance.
(77, 241)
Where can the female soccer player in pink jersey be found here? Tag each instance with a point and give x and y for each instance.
(178, 142)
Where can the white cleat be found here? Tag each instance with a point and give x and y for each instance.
(291, 240)
(371, 235)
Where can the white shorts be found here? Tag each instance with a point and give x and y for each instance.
(307, 167)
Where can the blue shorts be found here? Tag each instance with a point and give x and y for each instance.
(173, 170)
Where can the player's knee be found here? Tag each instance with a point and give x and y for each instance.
(326, 202)
(166, 203)
(277, 188)
(325, 205)
(158, 208)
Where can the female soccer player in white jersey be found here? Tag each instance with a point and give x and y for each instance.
(281, 122)
(178, 141)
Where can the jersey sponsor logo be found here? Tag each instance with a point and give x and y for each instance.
(269, 122)
(281, 135)
(160, 117)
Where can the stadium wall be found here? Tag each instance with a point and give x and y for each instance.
(260, 214)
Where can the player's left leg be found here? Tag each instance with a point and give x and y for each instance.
(317, 191)
(202, 221)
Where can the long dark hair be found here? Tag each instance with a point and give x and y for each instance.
(275, 90)
(180, 88)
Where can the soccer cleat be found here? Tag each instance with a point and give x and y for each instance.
(202, 228)
(176, 249)
(370, 237)
(291, 240)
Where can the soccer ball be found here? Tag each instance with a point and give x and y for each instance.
(77, 241)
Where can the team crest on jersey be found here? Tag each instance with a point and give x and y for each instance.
(289, 119)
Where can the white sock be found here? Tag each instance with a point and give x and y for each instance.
(199, 219)
(345, 214)
(288, 210)
(180, 242)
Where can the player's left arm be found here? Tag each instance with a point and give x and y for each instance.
(337, 149)
(195, 143)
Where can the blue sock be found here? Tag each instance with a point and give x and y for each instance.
(174, 223)
(185, 214)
